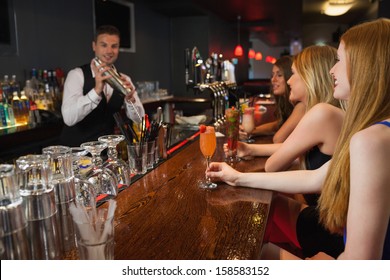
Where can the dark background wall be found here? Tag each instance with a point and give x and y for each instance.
(59, 33)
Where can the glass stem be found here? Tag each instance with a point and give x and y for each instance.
(208, 180)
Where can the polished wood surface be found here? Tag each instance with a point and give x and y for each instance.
(165, 215)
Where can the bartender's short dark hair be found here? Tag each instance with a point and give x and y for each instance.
(106, 29)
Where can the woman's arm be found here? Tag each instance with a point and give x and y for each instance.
(263, 129)
(369, 200)
(320, 126)
(289, 125)
(300, 181)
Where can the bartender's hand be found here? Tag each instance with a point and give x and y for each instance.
(242, 149)
(99, 78)
(221, 171)
(130, 95)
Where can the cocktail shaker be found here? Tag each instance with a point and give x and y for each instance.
(61, 165)
(115, 80)
(34, 176)
(13, 223)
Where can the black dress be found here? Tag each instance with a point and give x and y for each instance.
(312, 236)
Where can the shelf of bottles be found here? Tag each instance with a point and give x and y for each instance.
(19, 106)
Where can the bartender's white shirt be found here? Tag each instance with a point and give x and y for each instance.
(76, 106)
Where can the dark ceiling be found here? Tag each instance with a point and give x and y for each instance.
(276, 22)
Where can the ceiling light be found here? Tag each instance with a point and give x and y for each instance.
(238, 51)
(251, 53)
(337, 7)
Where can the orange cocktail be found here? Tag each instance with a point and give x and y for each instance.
(207, 144)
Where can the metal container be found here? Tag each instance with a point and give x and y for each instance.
(115, 80)
(13, 223)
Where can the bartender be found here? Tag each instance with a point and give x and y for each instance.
(89, 102)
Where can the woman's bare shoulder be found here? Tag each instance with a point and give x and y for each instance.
(373, 138)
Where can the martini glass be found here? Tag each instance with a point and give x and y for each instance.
(114, 163)
(102, 178)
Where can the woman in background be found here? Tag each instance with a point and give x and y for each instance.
(287, 114)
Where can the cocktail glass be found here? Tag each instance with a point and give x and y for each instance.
(82, 168)
(232, 133)
(208, 143)
(102, 178)
(115, 164)
(248, 123)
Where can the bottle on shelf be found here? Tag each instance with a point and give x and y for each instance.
(34, 80)
(9, 114)
(49, 96)
(56, 90)
(7, 93)
(3, 114)
(25, 105)
(18, 108)
(14, 85)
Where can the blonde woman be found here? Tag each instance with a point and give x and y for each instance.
(354, 185)
(287, 113)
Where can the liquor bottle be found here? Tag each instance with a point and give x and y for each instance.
(25, 105)
(49, 97)
(57, 91)
(18, 108)
(34, 80)
(7, 93)
(3, 118)
(9, 114)
(14, 84)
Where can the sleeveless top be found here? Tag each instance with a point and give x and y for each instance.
(386, 246)
(311, 234)
(98, 122)
(314, 159)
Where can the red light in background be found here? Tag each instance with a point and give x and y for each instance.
(238, 51)
(259, 56)
(270, 59)
(251, 54)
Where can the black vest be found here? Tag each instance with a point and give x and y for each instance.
(98, 122)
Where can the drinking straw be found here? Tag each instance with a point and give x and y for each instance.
(120, 124)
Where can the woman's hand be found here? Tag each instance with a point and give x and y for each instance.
(221, 171)
(242, 134)
(243, 149)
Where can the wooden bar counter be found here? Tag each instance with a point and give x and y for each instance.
(165, 215)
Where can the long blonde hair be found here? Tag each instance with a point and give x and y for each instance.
(367, 48)
(313, 64)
